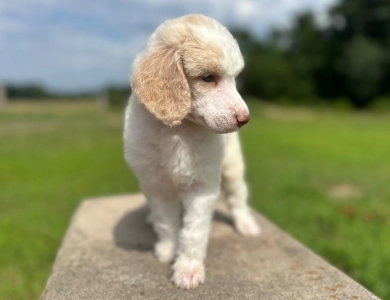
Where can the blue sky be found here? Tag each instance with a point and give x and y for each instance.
(86, 44)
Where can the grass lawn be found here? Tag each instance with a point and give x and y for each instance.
(322, 176)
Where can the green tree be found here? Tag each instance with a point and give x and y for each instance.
(349, 58)
(362, 64)
(269, 73)
(27, 91)
(361, 49)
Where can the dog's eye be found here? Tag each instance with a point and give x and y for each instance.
(208, 78)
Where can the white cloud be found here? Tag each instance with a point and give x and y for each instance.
(84, 44)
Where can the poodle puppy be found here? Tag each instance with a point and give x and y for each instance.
(181, 138)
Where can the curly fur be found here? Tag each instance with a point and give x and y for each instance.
(169, 99)
(181, 140)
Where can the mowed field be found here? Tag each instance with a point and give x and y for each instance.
(323, 176)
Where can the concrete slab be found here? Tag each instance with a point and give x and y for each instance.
(107, 254)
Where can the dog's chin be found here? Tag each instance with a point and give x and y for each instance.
(224, 127)
(223, 130)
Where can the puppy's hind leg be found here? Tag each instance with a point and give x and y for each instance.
(234, 187)
(165, 218)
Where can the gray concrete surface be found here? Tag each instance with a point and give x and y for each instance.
(107, 254)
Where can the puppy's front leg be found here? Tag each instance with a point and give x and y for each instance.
(188, 270)
(165, 216)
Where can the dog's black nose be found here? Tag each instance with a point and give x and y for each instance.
(242, 119)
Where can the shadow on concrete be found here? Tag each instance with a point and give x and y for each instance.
(133, 233)
(222, 217)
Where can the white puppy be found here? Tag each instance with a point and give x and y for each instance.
(181, 140)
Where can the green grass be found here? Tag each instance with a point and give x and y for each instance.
(52, 155)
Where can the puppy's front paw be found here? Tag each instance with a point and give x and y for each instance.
(246, 224)
(188, 274)
(164, 251)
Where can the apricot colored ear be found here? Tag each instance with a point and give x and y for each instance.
(160, 84)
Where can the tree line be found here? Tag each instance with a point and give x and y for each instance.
(348, 59)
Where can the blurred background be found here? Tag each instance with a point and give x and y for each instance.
(317, 81)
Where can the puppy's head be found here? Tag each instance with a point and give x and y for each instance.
(188, 71)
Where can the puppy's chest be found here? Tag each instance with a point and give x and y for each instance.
(190, 159)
